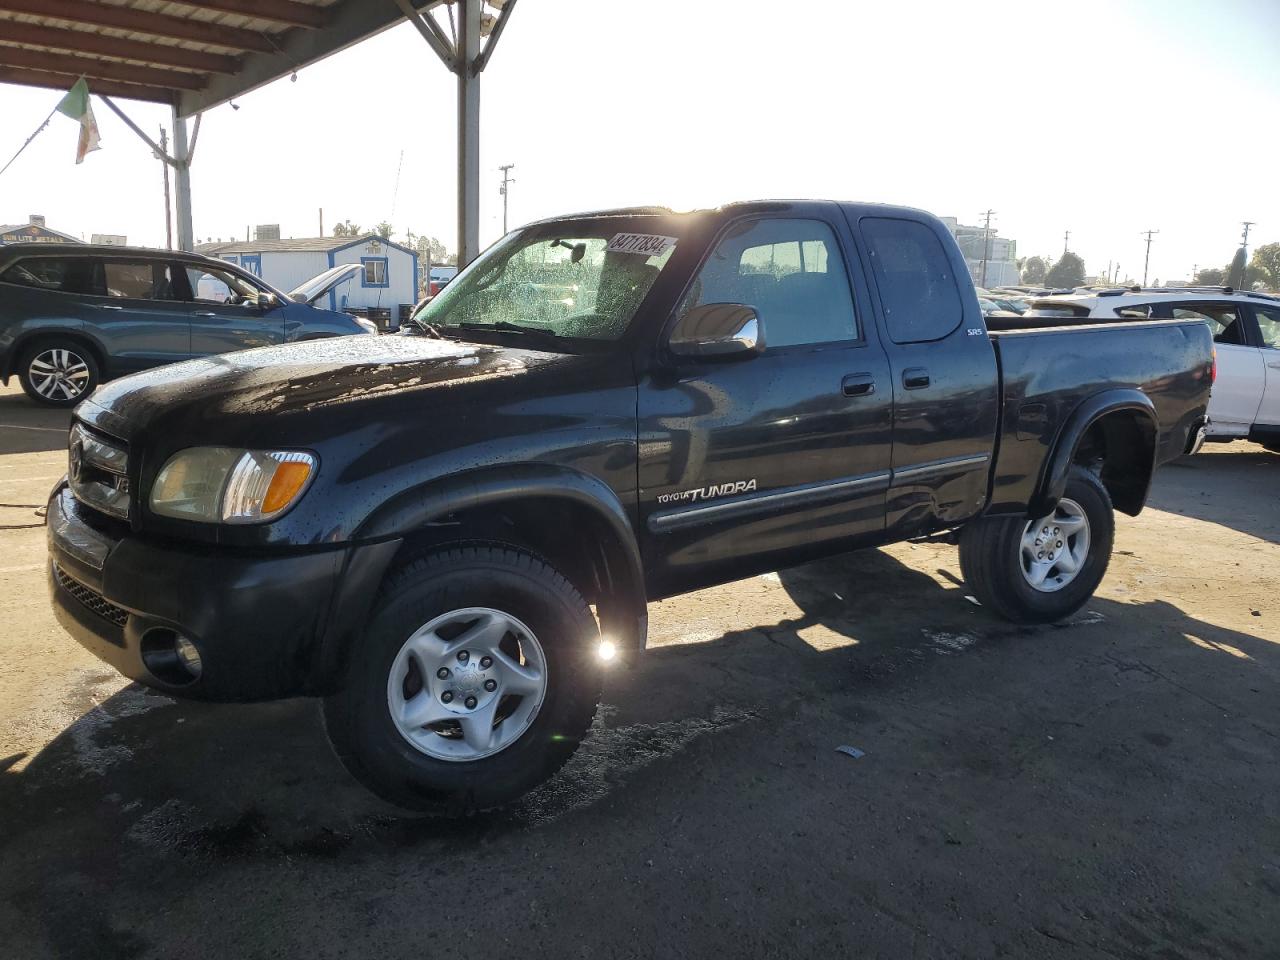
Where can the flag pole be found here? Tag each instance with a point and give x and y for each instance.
(29, 139)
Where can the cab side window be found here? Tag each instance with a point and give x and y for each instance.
(1223, 319)
(1269, 325)
(790, 271)
(917, 287)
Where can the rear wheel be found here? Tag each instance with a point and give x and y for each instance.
(1040, 570)
(58, 373)
(474, 682)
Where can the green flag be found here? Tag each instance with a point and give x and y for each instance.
(76, 106)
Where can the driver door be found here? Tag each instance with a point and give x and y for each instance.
(219, 322)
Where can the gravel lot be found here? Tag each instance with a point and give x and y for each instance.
(1107, 787)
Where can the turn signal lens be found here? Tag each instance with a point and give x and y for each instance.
(290, 477)
(1213, 371)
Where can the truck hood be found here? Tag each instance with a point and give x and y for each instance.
(299, 377)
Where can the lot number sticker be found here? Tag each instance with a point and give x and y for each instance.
(647, 244)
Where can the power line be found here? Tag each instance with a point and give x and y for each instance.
(506, 179)
(986, 246)
(1147, 262)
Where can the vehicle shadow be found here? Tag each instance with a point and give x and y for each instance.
(258, 781)
(1234, 485)
(28, 428)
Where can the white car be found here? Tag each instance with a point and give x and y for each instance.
(1245, 402)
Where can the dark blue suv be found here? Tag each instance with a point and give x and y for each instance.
(74, 316)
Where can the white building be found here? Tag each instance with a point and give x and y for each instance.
(388, 280)
(1001, 253)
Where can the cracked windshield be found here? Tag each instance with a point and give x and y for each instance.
(580, 285)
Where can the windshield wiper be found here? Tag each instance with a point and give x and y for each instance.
(431, 329)
(506, 326)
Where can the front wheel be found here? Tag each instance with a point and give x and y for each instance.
(57, 373)
(1041, 570)
(474, 682)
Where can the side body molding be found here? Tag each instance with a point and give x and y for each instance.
(1053, 480)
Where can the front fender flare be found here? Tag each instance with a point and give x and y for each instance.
(624, 619)
(1053, 478)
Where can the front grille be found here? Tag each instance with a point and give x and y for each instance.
(91, 599)
(98, 471)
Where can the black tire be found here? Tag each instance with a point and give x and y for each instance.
(71, 356)
(991, 558)
(358, 719)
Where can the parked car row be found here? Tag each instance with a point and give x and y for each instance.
(1245, 402)
(75, 317)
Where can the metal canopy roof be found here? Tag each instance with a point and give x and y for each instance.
(190, 54)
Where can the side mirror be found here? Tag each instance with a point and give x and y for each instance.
(267, 301)
(718, 331)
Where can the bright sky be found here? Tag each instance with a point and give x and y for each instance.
(1102, 117)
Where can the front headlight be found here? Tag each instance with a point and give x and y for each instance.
(221, 484)
(367, 325)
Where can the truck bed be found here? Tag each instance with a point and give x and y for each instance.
(1047, 371)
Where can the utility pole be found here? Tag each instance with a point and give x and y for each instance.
(1147, 262)
(168, 219)
(986, 245)
(1065, 237)
(1244, 241)
(322, 221)
(506, 179)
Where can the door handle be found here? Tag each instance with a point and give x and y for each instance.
(204, 313)
(1274, 364)
(110, 306)
(915, 378)
(858, 385)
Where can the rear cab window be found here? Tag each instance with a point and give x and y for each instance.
(918, 288)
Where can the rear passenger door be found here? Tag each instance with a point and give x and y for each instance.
(137, 314)
(1268, 322)
(1237, 392)
(753, 463)
(945, 383)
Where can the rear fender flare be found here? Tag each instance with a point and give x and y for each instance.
(1053, 480)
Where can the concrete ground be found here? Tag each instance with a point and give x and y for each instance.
(1107, 787)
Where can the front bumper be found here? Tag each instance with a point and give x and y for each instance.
(267, 625)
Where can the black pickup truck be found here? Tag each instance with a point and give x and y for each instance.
(445, 534)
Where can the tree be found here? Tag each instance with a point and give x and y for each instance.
(346, 229)
(1033, 270)
(1210, 277)
(384, 230)
(1067, 272)
(431, 248)
(1235, 272)
(1266, 260)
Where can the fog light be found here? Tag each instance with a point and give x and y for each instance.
(171, 657)
(607, 650)
(189, 655)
